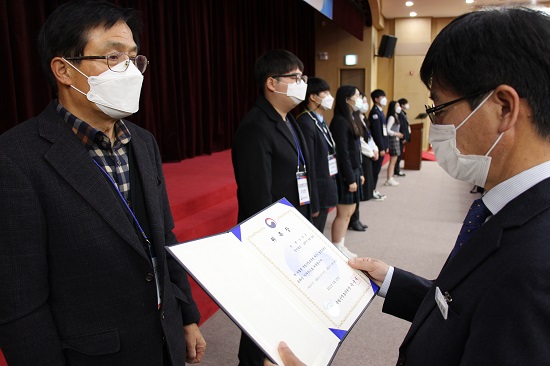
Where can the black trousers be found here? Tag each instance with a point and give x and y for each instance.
(249, 353)
(397, 168)
(376, 167)
(320, 221)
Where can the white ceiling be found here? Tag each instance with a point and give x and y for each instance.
(445, 8)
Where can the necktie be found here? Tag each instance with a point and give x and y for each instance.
(476, 216)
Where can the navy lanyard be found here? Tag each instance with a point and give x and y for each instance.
(152, 254)
(297, 143)
(125, 203)
(326, 132)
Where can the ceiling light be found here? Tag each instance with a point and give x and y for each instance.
(409, 3)
(469, 1)
(412, 14)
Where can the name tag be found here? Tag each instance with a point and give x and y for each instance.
(303, 191)
(441, 302)
(332, 165)
(384, 130)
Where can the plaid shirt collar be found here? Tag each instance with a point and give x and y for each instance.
(113, 160)
(88, 134)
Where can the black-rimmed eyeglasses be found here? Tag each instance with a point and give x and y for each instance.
(433, 111)
(117, 61)
(298, 77)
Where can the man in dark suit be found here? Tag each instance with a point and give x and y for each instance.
(405, 129)
(270, 155)
(85, 216)
(490, 304)
(379, 130)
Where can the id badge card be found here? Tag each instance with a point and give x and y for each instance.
(303, 191)
(332, 165)
(442, 303)
(384, 130)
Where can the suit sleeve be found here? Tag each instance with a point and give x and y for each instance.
(251, 155)
(28, 335)
(308, 131)
(405, 294)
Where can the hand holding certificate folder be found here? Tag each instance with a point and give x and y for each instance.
(278, 278)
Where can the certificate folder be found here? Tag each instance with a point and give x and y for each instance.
(280, 279)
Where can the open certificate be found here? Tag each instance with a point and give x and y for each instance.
(280, 279)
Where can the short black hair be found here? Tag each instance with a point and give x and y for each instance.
(402, 101)
(481, 50)
(65, 32)
(316, 86)
(275, 62)
(377, 93)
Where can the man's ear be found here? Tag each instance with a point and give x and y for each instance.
(62, 72)
(508, 103)
(270, 84)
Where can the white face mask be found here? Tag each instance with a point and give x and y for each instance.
(357, 103)
(398, 110)
(383, 102)
(364, 107)
(327, 102)
(115, 93)
(468, 168)
(406, 106)
(296, 92)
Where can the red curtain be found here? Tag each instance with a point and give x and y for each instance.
(200, 80)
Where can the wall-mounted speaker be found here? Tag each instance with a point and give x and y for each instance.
(387, 46)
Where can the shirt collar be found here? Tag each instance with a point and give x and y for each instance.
(88, 134)
(496, 198)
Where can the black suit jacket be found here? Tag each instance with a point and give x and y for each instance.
(404, 126)
(265, 160)
(377, 122)
(348, 149)
(77, 284)
(498, 282)
(324, 193)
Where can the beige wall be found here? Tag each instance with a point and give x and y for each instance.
(414, 38)
(397, 76)
(338, 43)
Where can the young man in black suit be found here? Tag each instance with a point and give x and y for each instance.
(86, 279)
(270, 155)
(377, 121)
(405, 129)
(321, 148)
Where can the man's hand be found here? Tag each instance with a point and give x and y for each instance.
(194, 343)
(374, 268)
(289, 358)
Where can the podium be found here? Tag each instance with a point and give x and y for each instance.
(413, 149)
